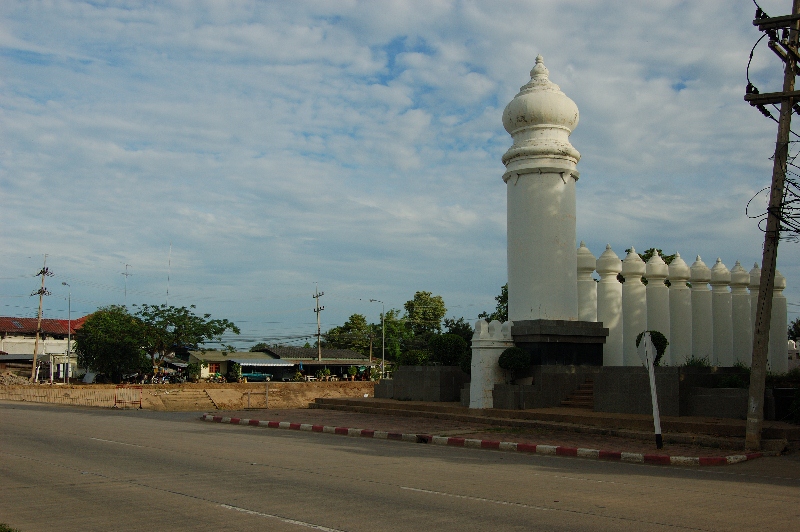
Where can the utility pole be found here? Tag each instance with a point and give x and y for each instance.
(318, 309)
(69, 331)
(383, 335)
(787, 49)
(126, 274)
(44, 272)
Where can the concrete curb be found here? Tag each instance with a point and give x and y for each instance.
(552, 450)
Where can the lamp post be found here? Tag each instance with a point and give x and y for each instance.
(69, 328)
(383, 335)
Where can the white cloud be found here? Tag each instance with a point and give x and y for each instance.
(357, 144)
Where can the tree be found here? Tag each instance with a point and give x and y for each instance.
(261, 347)
(354, 334)
(460, 327)
(448, 349)
(501, 310)
(794, 330)
(396, 334)
(167, 328)
(424, 314)
(110, 342)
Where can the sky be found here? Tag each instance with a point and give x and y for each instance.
(239, 155)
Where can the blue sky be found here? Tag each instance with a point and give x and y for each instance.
(357, 145)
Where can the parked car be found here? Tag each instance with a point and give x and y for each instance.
(257, 377)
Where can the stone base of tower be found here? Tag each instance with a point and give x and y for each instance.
(561, 342)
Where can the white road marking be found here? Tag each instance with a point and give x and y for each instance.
(284, 519)
(117, 442)
(481, 499)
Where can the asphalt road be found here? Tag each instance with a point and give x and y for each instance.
(66, 468)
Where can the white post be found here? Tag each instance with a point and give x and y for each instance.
(609, 306)
(587, 287)
(702, 324)
(740, 315)
(647, 354)
(634, 306)
(778, 341)
(488, 342)
(540, 181)
(722, 351)
(658, 299)
(680, 312)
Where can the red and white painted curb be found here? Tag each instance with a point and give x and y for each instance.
(555, 450)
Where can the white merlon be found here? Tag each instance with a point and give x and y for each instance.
(680, 312)
(609, 306)
(658, 299)
(722, 351)
(634, 305)
(488, 342)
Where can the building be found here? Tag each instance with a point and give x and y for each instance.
(18, 337)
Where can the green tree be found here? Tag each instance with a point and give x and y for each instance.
(501, 310)
(460, 327)
(794, 330)
(260, 347)
(397, 334)
(424, 314)
(448, 349)
(110, 342)
(354, 334)
(167, 328)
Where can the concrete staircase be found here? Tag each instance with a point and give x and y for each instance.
(187, 399)
(583, 397)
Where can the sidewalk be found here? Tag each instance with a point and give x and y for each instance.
(473, 434)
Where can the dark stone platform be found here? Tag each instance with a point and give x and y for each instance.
(561, 342)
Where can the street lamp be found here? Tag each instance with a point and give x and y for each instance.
(383, 335)
(69, 328)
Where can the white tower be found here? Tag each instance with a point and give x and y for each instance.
(540, 178)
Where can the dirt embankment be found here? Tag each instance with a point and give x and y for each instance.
(190, 396)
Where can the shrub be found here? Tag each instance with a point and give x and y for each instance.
(733, 381)
(696, 362)
(447, 349)
(352, 371)
(660, 342)
(466, 362)
(514, 358)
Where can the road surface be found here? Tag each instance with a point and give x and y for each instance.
(68, 468)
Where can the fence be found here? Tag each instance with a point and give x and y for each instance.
(714, 323)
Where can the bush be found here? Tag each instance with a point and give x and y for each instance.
(466, 362)
(660, 342)
(447, 349)
(695, 362)
(733, 381)
(514, 358)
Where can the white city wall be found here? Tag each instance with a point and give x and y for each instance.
(715, 323)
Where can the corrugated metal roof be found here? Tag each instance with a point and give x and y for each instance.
(262, 362)
(14, 325)
(310, 353)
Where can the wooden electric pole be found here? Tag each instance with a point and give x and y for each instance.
(317, 310)
(41, 292)
(787, 50)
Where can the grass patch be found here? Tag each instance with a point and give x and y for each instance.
(5, 528)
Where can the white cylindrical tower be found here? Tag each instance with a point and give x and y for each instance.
(680, 312)
(609, 306)
(778, 344)
(540, 178)
(587, 287)
(740, 314)
(658, 299)
(702, 324)
(634, 306)
(722, 352)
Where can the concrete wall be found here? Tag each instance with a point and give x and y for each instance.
(626, 390)
(427, 383)
(729, 403)
(551, 385)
